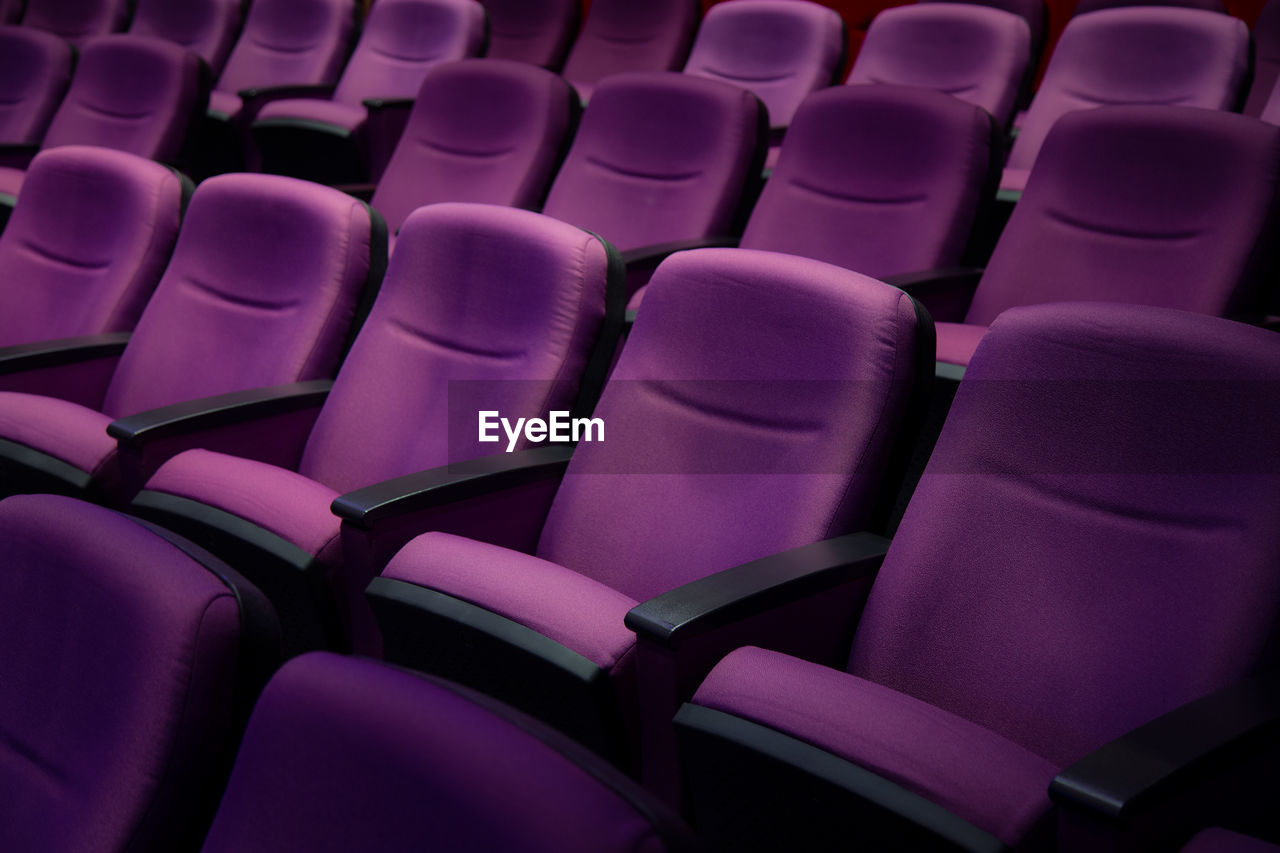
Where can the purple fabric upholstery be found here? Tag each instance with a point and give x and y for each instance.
(944, 758)
(35, 68)
(119, 674)
(1221, 841)
(1271, 110)
(538, 32)
(1064, 571)
(11, 11)
(622, 35)
(659, 157)
(1085, 6)
(132, 93)
(77, 20)
(1034, 12)
(285, 43)
(261, 291)
(354, 755)
(975, 53)
(779, 49)
(401, 40)
(1266, 59)
(482, 130)
(207, 27)
(86, 243)
(957, 341)
(11, 180)
(878, 179)
(1174, 57)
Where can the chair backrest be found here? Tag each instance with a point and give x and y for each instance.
(1165, 206)
(1266, 58)
(1140, 55)
(134, 94)
(402, 39)
(207, 27)
(353, 754)
(481, 130)
(758, 392)
(975, 53)
(290, 42)
(262, 289)
(779, 49)
(1085, 6)
(1034, 12)
(35, 68)
(77, 20)
(1093, 542)
(623, 35)
(124, 671)
(878, 179)
(86, 243)
(484, 308)
(534, 31)
(660, 157)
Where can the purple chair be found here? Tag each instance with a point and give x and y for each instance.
(782, 50)
(346, 754)
(1266, 59)
(754, 410)
(1139, 55)
(623, 35)
(130, 93)
(482, 130)
(35, 68)
(1083, 7)
(262, 289)
(1093, 545)
(87, 243)
(1034, 12)
(77, 20)
(662, 161)
(207, 27)
(131, 663)
(484, 308)
(1165, 206)
(975, 53)
(350, 136)
(535, 31)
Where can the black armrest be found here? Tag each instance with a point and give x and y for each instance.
(752, 588)
(263, 94)
(653, 255)
(379, 104)
(1172, 753)
(18, 155)
(426, 489)
(221, 410)
(364, 192)
(61, 352)
(945, 292)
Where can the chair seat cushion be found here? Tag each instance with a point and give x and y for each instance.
(1014, 179)
(574, 610)
(11, 180)
(279, 501)
(226, 105)
(957, 341)
(58, 428)
(339, 115)
(972, 772)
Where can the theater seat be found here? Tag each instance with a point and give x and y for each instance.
(206, 27)
(1034, 12)
(355, 755)
(77, 21)
(621, 35)
(132, 660)
(35, 68)
(87, 243)
(535, 31)
(1092, 547)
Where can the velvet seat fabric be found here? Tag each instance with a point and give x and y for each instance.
(11, 11)
(357, 755)
(206, 27)
(274, 310)
(482, 130)
(1266, 59)
(483, 308)
(1164, 206)
(659, 157)
(1058, 577)
(1130, 56)
(538, 32)
(86, 244)
(620, 35)
(781, 50)
(284, 43)
(974, 53)
(77, 20)
(122, 652)
(35, 68)
(1034, 12)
